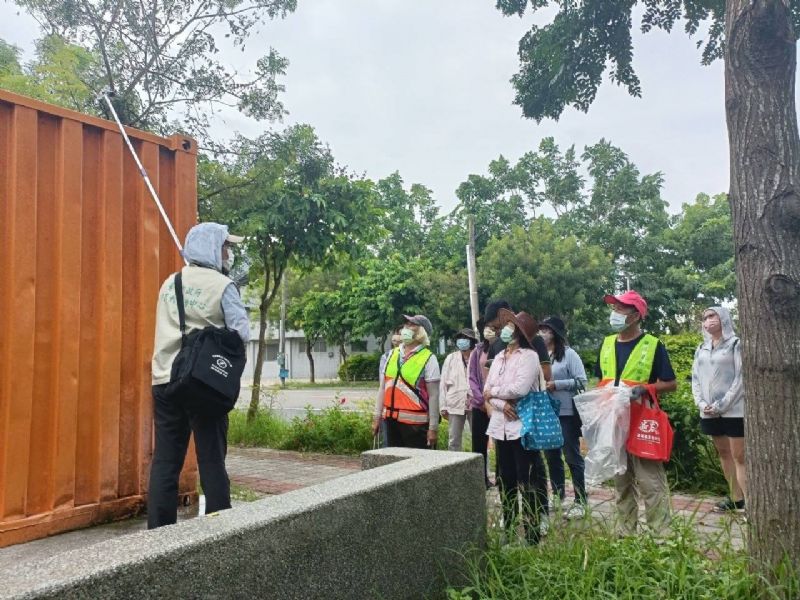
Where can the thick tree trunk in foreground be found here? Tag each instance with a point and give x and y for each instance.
(760, 63)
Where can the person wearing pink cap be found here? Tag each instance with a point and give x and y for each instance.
(636, 358)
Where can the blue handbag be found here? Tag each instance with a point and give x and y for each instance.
(541, 428)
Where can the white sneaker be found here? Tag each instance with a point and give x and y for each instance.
(576, 511)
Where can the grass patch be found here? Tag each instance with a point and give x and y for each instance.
(576, 562)
(267, 430)
(243, 494)
(332, 430)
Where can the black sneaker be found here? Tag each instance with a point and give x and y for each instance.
(729, 505)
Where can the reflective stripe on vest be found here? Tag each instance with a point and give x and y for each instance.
(640, 362)
(401, 399)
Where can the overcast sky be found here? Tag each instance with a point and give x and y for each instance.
(422, 87)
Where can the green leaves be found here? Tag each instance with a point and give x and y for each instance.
(562, 63)
(538, 270)
(162, 57)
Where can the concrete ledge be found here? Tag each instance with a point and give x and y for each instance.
(394, 531)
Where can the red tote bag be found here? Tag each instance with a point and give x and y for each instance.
(650, 435)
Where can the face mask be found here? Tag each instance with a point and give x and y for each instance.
(546, 336)
(227, 264)
(507, 334)
(462, 344)
(406, 334)
(489, 334)
(617, 321)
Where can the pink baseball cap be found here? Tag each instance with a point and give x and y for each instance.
(630, 298)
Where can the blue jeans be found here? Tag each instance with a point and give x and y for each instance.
(571, 428)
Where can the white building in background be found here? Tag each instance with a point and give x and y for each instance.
(326, 356)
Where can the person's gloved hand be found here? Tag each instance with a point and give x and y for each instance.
(638, 392)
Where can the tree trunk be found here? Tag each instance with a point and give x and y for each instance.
(255, 394)
(270, 287)
(760, 63)
(309, 347)
(342, 353)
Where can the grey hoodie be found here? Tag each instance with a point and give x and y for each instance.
(717, 372)
(203, 247)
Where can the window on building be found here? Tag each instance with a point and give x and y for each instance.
(320, 346)
(358, 346)
(272, 352)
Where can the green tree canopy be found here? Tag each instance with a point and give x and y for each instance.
(284, 193)
(543, 272)
(61, 73)
(163, 57)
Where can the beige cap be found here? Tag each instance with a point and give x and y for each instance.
(234, 239)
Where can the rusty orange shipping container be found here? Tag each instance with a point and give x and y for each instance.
(83, 252)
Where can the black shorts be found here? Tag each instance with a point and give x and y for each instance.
(729, 427)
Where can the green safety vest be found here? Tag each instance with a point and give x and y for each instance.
(640, 362)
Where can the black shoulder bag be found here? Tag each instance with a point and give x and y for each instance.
(206, 374)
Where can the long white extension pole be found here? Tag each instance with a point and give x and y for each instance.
(106, 96)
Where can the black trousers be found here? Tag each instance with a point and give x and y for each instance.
(401, 435)
(480, 441)
(522, 472)
(173, 425)
(571, 427)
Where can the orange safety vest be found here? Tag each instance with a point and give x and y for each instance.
(402, 398)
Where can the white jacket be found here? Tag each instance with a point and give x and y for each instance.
(454, 385)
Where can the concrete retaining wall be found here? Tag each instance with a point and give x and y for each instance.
(393, 531)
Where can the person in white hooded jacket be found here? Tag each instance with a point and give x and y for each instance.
(455, 397)
(719, 395)
(210, 298)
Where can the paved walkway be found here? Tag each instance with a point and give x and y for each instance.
(268, 471)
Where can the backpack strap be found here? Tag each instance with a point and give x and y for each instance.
(179, 299)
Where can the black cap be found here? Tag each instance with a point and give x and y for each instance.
(490, 313)
(557, 325)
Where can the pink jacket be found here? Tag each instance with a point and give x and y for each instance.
(511, 377)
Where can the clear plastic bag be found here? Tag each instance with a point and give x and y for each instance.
(606, 416)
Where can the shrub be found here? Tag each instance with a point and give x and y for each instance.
(588, 358)
(360, 367)
(694, 466)
(681, 350)
(574, 563)
(267, 430)
(332, 431)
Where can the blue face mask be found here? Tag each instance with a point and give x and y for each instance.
(462, 344)
(507, 334)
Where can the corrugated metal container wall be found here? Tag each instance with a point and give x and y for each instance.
(83, 252)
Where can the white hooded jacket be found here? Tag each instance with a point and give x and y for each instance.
(717, 372)
(210, 298)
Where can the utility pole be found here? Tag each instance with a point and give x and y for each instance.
(282, 334)
(472, 276)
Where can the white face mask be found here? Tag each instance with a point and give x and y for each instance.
(406, 334)
(489, 334)
(546, 336)
(617, 321)
(227, 263)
